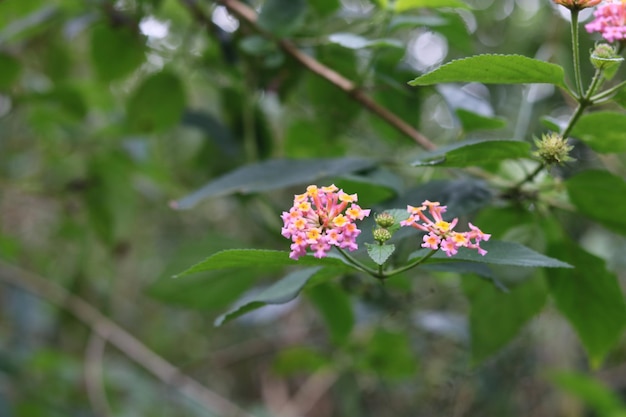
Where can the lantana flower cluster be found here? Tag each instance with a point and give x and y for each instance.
(440, 234)
(610, 21)
(321, 218)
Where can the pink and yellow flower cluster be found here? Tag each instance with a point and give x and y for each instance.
(440, 234)
(321, 218)
(610, 21)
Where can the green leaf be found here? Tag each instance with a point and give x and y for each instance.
(325, 7)
(280, 292)
(10, 69)
(335, 307)
(157, 104)
(258, 258)
(496, 317)
(603, 131)
(590, 297)
(271, 175)
(498, 253)
(404, 5)
(473, 121)
(352, 41)
(600, 196)
(495, 69)
(296, 359)
(592, 392)
(282, 17)
(116, 52)
(379, 253)
(474, 153)
(388, 354)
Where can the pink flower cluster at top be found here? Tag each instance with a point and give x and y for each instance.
(610, 21)
(440, 233)
(317, 220)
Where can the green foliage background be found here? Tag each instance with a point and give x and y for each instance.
(141, 137)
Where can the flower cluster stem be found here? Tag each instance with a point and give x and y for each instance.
(359, 265)
(576, 51)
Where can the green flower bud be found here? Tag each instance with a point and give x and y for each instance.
(553, 149)
(604, 57)
(381, 235)
(384, 220)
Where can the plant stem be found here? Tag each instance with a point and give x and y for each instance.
(576, 52)
(359, 265)
(409, 265)
(606, 93)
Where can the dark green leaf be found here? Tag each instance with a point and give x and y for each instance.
(600, 196)
(497, 317)
(336, 309)
(473, 121)
(10, 69)
(498, 253)
(280, 292)
(404, 5)
(325, 7)
(592, 392)
(282, 17)
(379, 253)
(590, 297)
(273, 174)
(116, 52)
(494, 69)
(258, 258)
(474, 153)
(389, 354)
(603, 131)
(157, 104)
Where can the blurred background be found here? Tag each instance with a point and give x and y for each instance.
(113, 117)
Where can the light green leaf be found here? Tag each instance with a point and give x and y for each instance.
(497, 317)
(498, 253)
(600, 196)
(379, 253)
(495, 69)
(280, 292)
(258, 258)
(335, 307)
(603, 131)
(404, 5)
(592, 392)
(590, 297)
(473, 121)
(157, 104)
(474, 153)
(271, 175)
(296, 359)
(282, 17)
(116, 52)
(352, 41)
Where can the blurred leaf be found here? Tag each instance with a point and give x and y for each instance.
(474, 153)
(297, 359)
(603, 131)
(258, 258)
(600, 196)
(404, 5)
(116, 52)
(67, 98)
(271, 175)
(10, 69)
(157, 104)
(473, 121)
(388, 354)
(590, 297)
(474, 268)
(335, 307)
(325, 7)
(494, 69)
(379, 253)
(498, 253)
(352, 41)
(282, 17)
(21, 19)
(497, 317)
(280, 292)
(592, 392)
(372, 187)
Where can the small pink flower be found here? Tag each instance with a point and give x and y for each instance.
(321, 218)
(440, 233)
(610, 21)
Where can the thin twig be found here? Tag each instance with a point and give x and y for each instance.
(121, 339)
(94, 381)
(309, 394)
(245, 13)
